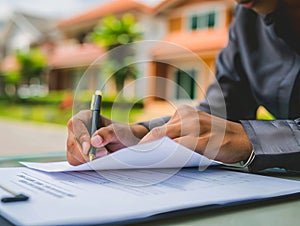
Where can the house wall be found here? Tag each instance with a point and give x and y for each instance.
(177, 20)
(153, 28)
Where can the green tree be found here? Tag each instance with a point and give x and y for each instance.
(12, 77)
(10, 81)
(32, 64)
(112, 32)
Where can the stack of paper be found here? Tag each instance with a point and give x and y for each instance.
(106, 196)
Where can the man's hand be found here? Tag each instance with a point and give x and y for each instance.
(211, 136)
(109, 138)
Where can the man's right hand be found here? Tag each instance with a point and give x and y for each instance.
(110, 137)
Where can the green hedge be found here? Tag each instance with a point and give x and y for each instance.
(57, 98)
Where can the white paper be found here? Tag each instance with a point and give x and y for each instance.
(163, 153)
(90, 197)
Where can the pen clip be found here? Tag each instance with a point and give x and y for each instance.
(16, 198)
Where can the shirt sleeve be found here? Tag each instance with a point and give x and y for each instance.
(275, 143)
(155, 122)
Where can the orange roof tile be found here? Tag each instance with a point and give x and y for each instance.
(74, 55)
(167, 4)
(115, 6)
(196, 41)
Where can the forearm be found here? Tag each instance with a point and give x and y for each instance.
(275, 143)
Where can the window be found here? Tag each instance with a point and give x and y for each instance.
(203, 20)
(211, 19)
(194, 22)
(185, 84)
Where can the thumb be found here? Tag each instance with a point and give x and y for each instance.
(103, 136)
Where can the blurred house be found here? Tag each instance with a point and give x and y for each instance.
(75, 31)
(190, 33)
(181, 41)
(22, 31)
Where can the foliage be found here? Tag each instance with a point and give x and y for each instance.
(12, 77)
(32, 64)
(47, 109)
(110, 33)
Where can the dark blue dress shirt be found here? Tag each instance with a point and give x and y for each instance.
(261, 66)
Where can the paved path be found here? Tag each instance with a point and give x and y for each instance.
(25, 138)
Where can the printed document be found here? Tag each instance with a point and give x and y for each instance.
(132, 183)
(94, 197)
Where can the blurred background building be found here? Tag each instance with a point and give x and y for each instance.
(200, 26)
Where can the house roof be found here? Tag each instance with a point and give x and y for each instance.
(36, 26)
(113, 7)
(167, 4)
(67, 56)
(175, 44)
(70, 56)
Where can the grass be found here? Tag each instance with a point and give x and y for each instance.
(56, 108)
(53, 114)
(37, 113)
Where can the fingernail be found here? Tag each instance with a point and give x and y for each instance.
(101, 153)
(97, 141)
(85, 147)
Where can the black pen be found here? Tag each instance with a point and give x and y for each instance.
(95, 108)
(15, 196)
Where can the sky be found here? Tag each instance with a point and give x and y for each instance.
(52, 8)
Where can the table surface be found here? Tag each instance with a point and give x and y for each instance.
(279, 211)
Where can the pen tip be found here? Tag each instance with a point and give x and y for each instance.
(98, 92)
(92, 157)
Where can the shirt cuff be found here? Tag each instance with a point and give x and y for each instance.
(249, 161)
(155, 122)
(276, 144)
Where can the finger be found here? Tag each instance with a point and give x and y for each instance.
(76, 159)
(103, 137)
(97, 141)
(81, 133)
(170, 130)
(188, 118)
(101, 152)
(74, 154)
